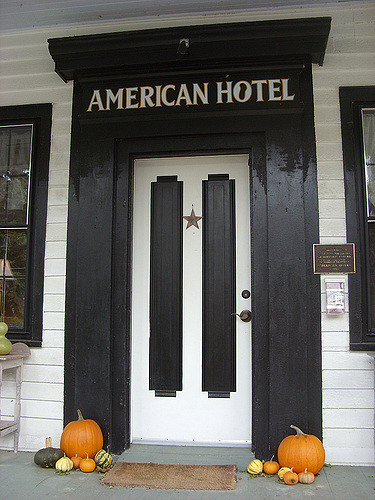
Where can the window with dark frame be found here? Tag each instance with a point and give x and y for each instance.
(368, 133)
(358, 140)
(25, 133)
(15, 169)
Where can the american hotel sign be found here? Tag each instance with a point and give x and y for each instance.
(250, 91)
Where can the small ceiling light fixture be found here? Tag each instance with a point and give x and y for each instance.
(183, 46)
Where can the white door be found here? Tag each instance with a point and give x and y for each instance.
(191, 415)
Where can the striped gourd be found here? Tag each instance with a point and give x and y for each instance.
(103, 459)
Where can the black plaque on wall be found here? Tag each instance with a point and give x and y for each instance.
(334, 259)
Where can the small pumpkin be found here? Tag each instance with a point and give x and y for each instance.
(48, 456)
(301, 451)
(255, 467)
(290, 477)
(64, 464)
(103, 459)
(306, 477)
(76, 461)
(81, 436)
(271, 467)
(87, 464)
(282, 471)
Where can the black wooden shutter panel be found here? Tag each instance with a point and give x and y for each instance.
(219, 285)
(166, 286)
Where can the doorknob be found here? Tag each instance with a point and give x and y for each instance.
(244, 315)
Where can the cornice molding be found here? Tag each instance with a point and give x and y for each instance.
(210, 46)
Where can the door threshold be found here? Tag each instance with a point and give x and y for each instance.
(193, 444)
(195, 455)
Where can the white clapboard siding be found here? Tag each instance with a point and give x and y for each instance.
(331, 208)
(348, 377)
(348, 439)
(344, 397)
(43, 373)
(38, 391)
(335, 341)
(33, 409)
(34, 432)
(343, 455)
(54, 284)
(348, 418)
(53, 338)
(27, 76)
(58, 213)
(332, 240)
(346, 361)
(333, 323)
(333, 167)
(56, 249)
(52, 267)
(330, 188)
(354, 379)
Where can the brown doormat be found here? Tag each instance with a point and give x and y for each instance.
(171, 476)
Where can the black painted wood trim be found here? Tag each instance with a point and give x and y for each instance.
(89, 335)
(144, 53)
(259, 301)
(287, 274)
(166, 285)
(183, 145)
(352, 99)
(219, 285)
(40, 116)
(313, 292)
(218, 394)
(231, 44)
(72, 325)
(92, 144)
(166, 394)
(119, 429)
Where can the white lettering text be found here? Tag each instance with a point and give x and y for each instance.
(96, 100)
(130, 97)
(220, 92)
(146, 94)
(164, 95)
(113, 98)
(273, 87)
(247, 91)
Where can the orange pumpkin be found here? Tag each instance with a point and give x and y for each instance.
(306, 477)
(76, 461)
(81, 436)
(301, 451)
(87, 464)
(290, 477)
(271, 467)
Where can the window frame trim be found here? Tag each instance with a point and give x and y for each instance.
(366, 192)
(352, 101)
(40, 116)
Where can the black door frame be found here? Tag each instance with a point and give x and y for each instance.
(286, 385)
(284, 224)
(126, 153)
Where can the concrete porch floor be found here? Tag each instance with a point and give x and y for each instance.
(21, 479)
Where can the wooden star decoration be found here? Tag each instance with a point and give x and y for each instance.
(192, 219)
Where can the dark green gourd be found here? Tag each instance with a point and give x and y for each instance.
(48, 456)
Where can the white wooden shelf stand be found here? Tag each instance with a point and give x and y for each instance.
(14, 360)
